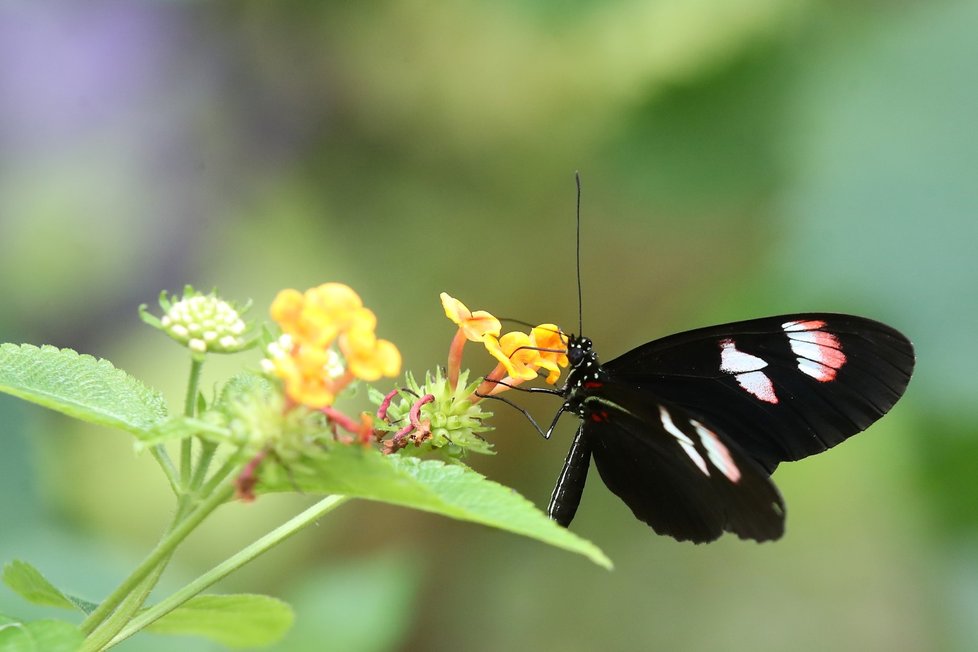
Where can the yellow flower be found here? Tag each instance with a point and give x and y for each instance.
(552, 349)
(315, 323)
(320, 314)
(514, 353)
(303, 370)
(368, 357)
(478, 326)
(475, 325)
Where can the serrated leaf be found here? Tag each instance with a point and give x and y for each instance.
(241, 620)
(452, 490)
(38, 636)
(80, 386)
(27, 582)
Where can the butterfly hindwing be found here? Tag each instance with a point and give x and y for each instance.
(781, 388)
(677, 473)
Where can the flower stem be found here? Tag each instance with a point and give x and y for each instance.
(189, 407)
(163, 459)
(127, 608)
(455, 357)
(207, 450)
(236, 561)
(96, 625)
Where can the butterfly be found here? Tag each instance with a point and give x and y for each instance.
(687, 429)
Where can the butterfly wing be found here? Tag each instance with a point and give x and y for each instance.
(781, 388)
(680, 475)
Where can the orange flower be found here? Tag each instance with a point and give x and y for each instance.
(320, 314)
(369, 358)
(306, 359)
(521, 356)
(475, 326)
(552, 349)
(515, 355)
(303, 369)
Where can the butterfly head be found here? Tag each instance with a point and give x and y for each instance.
(579, 350)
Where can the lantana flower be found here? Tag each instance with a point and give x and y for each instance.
(204, 323)
(520, 355)
(472, 326)
(328, 342)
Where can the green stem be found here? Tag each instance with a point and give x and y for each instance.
(231, 564)
(163, 458)
(229, 467)
(190, 402)
(127, 608)
(189, 408)
(207, 450)
(156, 557)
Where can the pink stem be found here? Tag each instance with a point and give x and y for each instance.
(385, 405)
(245, 483)
(341, 420)
(490, 383)
(455, 357)
(415, 414)
(414, 418)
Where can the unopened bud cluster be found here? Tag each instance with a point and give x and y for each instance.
(204, 323)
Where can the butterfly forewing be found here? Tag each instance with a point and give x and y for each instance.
(679, 474)
(781, 388)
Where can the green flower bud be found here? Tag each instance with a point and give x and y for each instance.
(204, 323)
(450, 422)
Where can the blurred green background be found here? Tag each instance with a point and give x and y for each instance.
(740, 158)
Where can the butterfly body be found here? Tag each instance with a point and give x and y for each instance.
(687, 429)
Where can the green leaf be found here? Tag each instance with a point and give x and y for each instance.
(242, 620)
(38, 636)
(452, 490)
(80, 386)
(27, 582)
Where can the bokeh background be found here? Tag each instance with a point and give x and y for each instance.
(740, 158)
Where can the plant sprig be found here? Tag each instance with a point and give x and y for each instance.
(274, 431)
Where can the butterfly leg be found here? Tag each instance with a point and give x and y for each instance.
(523, 411)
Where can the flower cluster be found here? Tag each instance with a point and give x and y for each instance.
(432, 416)
(520, 355)
(204, 323)
(328, 341)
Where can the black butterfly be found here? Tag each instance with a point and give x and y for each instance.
(688, 428)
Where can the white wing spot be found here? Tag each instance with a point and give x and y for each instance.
(688, 447)
(819, 352)
(757, 384)
(746, 368)
(733, 361)
(717, 452)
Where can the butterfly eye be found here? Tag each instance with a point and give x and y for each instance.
(577, 351)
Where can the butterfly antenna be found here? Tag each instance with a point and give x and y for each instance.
(580, 307)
